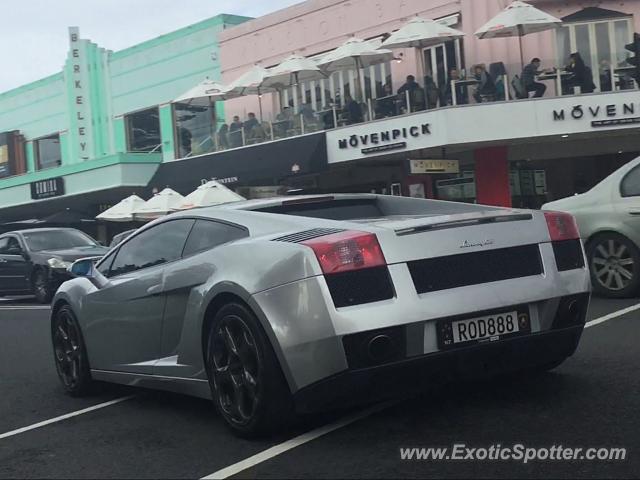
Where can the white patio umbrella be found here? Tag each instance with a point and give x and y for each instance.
(292, 71)
(354, 53)
(206, 89)
(421, 33)
(123, 210)
(160, 204)
(209, 194)
(250, 83)
(517, 20)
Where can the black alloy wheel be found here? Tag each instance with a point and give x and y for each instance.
(247, 385)
(70, 353)
(614, 263)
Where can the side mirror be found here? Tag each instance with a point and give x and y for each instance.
(82, 268)
(86, 267)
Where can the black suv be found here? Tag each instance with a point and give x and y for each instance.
(35, 261)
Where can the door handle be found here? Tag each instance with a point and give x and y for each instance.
(634, 211)
(2, 260)
(154, 290)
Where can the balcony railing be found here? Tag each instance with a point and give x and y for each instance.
(467, 90)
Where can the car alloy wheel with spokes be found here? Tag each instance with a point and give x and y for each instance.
(69, 352)
(247, 383)
(41, 288)
(236, 369)
(613, 261)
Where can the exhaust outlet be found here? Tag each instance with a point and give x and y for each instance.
(380, 348)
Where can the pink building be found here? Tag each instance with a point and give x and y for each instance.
(597, 29)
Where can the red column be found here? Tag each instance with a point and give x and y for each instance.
(492, 176)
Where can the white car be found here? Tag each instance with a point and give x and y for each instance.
(608, 217)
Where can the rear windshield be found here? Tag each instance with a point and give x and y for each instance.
(330, 209)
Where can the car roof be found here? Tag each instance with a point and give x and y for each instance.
(44, 229)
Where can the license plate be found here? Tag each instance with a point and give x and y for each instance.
(486, 328)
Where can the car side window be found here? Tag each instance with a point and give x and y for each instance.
(9, 246)
(630, 186)
(207, 234)
(160, 244)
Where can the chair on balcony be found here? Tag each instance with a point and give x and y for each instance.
(518, 88)
(497, 72)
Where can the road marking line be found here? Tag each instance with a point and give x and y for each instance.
(295, 442)
(612, 315)
(25, 307)
(65, 416)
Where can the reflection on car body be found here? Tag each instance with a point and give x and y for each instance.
(296, 304)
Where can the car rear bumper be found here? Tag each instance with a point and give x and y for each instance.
(414, 374)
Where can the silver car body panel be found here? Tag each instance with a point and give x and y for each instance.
(146, 328)
(603, 208)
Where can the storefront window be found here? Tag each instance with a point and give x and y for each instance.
(601, 44)
(143, 131)
(47, 152)
(195, 125)
(12, 154)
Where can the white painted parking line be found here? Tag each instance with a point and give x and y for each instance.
(295, 442)
(65, 416)
(612, 315)
(25, 307)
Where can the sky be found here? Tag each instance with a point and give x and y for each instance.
(34, 42)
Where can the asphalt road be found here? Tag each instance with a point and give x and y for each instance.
(592, 400)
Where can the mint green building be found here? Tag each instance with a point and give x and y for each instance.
(101, 127)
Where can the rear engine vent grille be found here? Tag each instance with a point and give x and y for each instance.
(360, 286)
(568, 255)
(453, 271)
(307, 235)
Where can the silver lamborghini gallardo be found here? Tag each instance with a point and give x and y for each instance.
(290, 305)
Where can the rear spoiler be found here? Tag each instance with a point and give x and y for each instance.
(464, 223)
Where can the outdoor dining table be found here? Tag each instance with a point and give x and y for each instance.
(557, 76)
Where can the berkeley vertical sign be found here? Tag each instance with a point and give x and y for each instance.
(81, 109)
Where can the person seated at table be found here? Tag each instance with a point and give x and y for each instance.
(529, 74)
(580, 76)
(235, 132)
(250, 124)
(223, 137)
(283, 122)
(352, 110)
(416, 94)
(386, 104)
(308, 114)
(486, 89)
(462, 96)
(257, 134)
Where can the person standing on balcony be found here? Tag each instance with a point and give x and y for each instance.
(416, 93)
(529, 83)
(235, 133)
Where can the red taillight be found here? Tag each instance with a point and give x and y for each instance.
(347, 251)
(562, 226)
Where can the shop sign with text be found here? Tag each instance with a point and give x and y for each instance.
(605, 115)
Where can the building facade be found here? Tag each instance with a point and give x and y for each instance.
(100, 127)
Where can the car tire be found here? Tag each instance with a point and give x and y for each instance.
(247, 383)
(70, 353)
(614, 263)
(41, 287)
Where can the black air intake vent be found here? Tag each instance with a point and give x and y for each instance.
(454, 271)
(307, 235)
